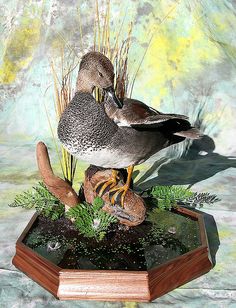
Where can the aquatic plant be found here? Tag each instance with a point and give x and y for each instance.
(64, 69)
(42, 200)
(168, 224)
(91, 220)
(113, 42)
(115, 48)
(166, 197)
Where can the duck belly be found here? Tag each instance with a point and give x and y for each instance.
(127, 147)
(106, 158)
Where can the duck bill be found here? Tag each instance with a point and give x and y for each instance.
(111, 92)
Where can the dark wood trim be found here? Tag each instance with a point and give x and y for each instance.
(37, 269)
(178, 272)
(113, 285)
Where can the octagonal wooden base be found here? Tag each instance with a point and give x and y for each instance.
(114, 285)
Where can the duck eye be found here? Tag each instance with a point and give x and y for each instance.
(100, 74)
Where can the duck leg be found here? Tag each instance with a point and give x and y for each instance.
(123, 189)
(112, 182)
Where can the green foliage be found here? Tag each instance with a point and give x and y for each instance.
(165, 204)
(169, 196)
(91, 220)
(199, 199)
(42, 200)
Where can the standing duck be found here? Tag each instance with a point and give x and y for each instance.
(116, 134)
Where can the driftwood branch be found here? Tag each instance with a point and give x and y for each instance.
(57, 186)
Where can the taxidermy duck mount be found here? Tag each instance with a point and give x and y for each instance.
(78, 244)
(115, 134)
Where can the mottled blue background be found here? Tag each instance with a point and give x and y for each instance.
(189, 68)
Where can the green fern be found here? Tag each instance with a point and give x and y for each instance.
(169, 196)
(42, 200)
(91, 220)
(172, 193)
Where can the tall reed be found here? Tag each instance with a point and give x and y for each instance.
(63, 93)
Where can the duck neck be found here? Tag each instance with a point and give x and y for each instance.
(83, 83)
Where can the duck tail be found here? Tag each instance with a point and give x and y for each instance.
(192, 133)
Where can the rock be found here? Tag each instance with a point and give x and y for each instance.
(134, 210)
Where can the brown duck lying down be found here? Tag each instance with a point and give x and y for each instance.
(133, 212)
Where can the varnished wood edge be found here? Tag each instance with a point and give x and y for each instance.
(193, 271)
(180, 210)
(105, 299)
(37, 269)
(71, 273)
(33, 255)
(199, 218)
(189, 255)
(20, 246)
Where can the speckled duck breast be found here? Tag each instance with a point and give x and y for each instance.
(87, 132)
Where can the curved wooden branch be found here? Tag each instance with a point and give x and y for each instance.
(57, 186)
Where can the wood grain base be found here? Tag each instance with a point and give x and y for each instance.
(114, 285)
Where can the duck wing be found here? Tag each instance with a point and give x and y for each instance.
(156, 120)
(137, 114)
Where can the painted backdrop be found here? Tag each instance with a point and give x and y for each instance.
(183, 58)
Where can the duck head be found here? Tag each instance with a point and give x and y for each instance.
(96, 70)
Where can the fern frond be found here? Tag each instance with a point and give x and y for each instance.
(42, 200)
(169, 196)
(91, 220)
(25, 200)
(173, 193)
